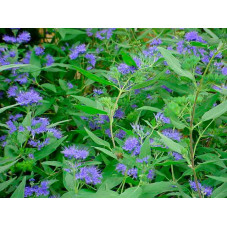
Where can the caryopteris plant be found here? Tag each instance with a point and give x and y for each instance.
(114, 113)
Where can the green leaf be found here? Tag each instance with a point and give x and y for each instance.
(8, 107)
(57, 123)
(206, 105)
(4, 125)
(220, 192)
(5, 67)
(19, 192)
(52, 163)
(128, 59)
(174, 64)
(145, 149)
(96, 139)
(222, 179)
(86, 101)
(63, 85)
(150, 108)
(68, 181)
(50, 87)
(171, 144)
(145, 84)
(154, 189)
(44, 107)
(27, 120)
(4, 168)
(107, 152)
(198, 44)
(133, 192)
(90, 110)
(215, 112)
(93, 76)
(5, 184)
(35, 61)
(48, 149)
(175, 86)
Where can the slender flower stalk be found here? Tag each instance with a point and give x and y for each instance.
(192, 151)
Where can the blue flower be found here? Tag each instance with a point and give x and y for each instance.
(28, 98)
(56, 133)
(172, 134)
(39, 51)
(121, 134)
(224, 71)
(75, 52)
(121, 168)
(12, 91)
(92, 60)
(50, 60)
(89, 33)
(177, 156)
(160, 117)
(156, 42)
(90, 174)
(11, 127)
(9, 39)
(125, 69)
(143, 160)
(98, 91)
(42, 190)
(24, 37)
(166, 88)
(70, 86)
(151, 174)
(119, 114)
(75, 152)
(133, 173)
(131, 143)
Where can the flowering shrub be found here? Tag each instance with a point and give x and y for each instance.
(113, 113)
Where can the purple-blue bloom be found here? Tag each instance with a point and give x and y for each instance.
(75, 152)
(50, 60)
(133, 172)
(142, 160)
(172, 134)
(156, 42)
(97, 91)
(11, 127)
(177, 156)
(224, 71)
(121, 168)
(166, 88)
(90, 174)
(91, 60)
(151, 174)
(75, 52)
(42, 190)
(24, 37)
(121, 134)
(70, 86)
(160, 117)
(39, 51)
(56, 132)
(9, 39)
(125, 69)
(12, 91)
(28, 98)
(131, 143)
(193, 36)
(119, 114)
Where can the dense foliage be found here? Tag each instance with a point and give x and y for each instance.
(119, 113)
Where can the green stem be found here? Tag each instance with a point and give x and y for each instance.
(192, 151)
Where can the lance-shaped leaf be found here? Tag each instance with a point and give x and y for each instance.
(174, 64)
